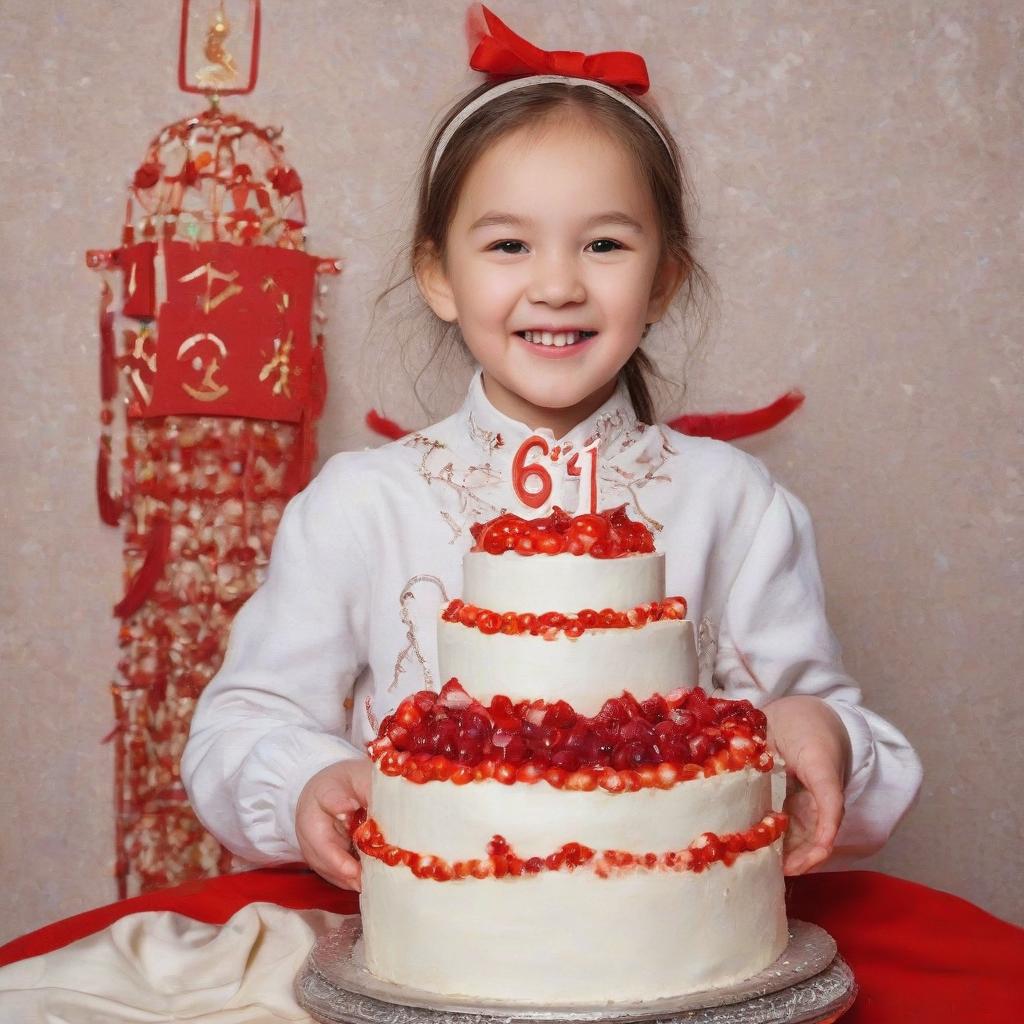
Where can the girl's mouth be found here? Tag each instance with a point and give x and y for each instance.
(545, 343)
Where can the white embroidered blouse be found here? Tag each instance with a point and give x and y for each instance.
(365, 557)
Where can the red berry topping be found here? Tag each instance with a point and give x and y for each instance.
(627, 745)
(550, 624)
(608, 534)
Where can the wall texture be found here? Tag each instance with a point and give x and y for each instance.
(858, 168)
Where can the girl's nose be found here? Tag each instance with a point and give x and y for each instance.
(556, 281)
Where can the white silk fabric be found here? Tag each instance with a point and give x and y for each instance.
(160, 966)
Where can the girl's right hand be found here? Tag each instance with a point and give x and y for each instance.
(323, 815)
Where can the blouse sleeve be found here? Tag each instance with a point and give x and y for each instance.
(774, 641)
(272, 717)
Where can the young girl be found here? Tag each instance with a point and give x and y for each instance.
(551, 230)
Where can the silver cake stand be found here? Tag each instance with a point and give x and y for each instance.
(809, 983)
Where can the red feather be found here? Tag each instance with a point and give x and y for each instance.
(152, 569)
(726, 426)
(382, 425)
(110, 507)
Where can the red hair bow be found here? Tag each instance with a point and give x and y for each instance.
(497, 50)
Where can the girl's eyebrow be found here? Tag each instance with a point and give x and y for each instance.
(495, 217)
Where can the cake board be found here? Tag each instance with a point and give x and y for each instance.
(808, 984)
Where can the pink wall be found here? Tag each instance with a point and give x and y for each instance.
(859, 169)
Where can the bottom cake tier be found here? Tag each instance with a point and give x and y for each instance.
(542, 895)
(571, 937)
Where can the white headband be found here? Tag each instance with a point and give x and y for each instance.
(521, 83)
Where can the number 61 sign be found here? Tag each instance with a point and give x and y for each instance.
(532, 481)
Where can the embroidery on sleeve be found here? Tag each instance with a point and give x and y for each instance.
(370, 716)
(412, 647)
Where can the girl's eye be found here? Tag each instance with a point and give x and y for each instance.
(499, 246)
(606, 241)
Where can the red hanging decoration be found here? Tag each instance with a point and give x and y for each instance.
(221, 381)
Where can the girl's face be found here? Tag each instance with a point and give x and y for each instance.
(552, 270)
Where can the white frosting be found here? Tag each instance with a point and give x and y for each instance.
(561, 583)
(564, 937)
(584, 671)
(457, 822)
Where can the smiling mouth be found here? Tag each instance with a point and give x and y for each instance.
(548, 339)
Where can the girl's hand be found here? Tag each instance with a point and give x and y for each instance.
(813, 741)
(322, 818)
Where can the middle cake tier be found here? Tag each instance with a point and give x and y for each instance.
(584, 671)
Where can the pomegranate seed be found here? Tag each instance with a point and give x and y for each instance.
(488, 622)
(529, 772)
(581, 781)
(612, 782)
(567, 759)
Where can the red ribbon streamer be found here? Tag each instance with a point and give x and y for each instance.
(110, 507)
(498, 51)
(723, 426)
(152, 568)
(727, 426)
(108, 366)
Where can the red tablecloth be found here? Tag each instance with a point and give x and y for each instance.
(918, 954)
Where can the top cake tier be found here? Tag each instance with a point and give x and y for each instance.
(563, 563)
(561, 583)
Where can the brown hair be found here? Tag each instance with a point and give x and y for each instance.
(531, 106)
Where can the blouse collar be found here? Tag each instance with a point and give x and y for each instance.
(485, 423)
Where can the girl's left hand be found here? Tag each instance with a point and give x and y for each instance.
(812, 740)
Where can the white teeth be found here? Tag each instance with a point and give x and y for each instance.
(549, 339)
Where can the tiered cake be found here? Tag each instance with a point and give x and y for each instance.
(571, 820)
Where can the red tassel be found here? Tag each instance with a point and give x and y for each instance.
(300, 467)
(152, 568)
(108, 365)
(726, 426)
(382, 425)
(317, 380)
(110, 507)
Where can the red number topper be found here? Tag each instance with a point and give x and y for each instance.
(523, 471)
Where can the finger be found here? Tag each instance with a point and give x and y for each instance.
(819, 776)
(803, 858)
(360, 775)
(336, 799)
(328, 853)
